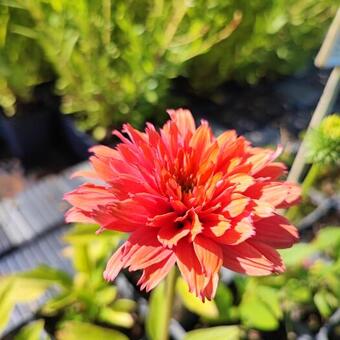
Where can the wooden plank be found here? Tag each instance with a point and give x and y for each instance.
(31, 210)
(5, 243)
(14, 224)
(46, 250)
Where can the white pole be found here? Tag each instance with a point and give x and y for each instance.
(323, 108)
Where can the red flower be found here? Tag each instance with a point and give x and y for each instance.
(188, 198)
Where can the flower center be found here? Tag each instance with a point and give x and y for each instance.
(186, 183)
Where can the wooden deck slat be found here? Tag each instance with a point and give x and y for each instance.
(14, 224)
(36, 210)
(5, 243)
(46, 250)
(34, 222)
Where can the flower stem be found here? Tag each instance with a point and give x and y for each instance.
(169, 294)
(307, 183)
(310, 179)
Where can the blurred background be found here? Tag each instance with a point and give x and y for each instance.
(71, 71)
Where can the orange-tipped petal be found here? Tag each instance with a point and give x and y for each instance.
(247, 259)
(155, 273)
(276, 231)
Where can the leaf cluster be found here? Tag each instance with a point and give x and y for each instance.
(79, 301)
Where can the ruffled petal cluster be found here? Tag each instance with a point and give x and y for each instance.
(188, 198)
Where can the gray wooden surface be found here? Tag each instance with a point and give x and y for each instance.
(31, 226)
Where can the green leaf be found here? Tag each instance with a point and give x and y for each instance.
(54, 305)
(259, 308)
(106, 296)
(47, 275)
(224, 302)
(6, 303)
(297, 291)
(75, 330)
(81, 259)
(295, 255)
(154, 321)
(124, 305)
(32, 331)
(270, 296)
(215, 333)
(322, 305)
(27, 290)
(207, 309)
(116, 318)
(86, 233)
(327, 238)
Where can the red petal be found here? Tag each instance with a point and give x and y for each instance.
(271, 171)
(210, 256)
(77, 215)
(169, 236)
(183, 119)
(164, 220)
(141, 251)
(88, 196)
(115, 264)
(276, 231)
(155, 273)
(256, 261)
(190, 268)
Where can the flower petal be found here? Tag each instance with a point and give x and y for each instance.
(76, 215)
(237, 205)
(271, 171)
(183, 119)
(247, 259)
(281, 195)
(169, 236)
(115, 264)
(210, 256)
(190, 267)
(276, 231)
(155, 273)
(88, 196)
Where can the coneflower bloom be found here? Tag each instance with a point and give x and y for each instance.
(188, 198)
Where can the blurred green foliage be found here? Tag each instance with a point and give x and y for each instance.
(22, 64)
(113, 60)
(311, 282)
(82, 299)
(274, 37)
(86, 304)
(32, 331)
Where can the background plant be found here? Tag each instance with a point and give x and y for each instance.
(85, 303)
(323, 150)
(310, 285)
(274, 37)
(113, 60)
(22, 64)
(80, 301)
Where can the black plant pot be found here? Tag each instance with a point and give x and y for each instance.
(77, 141)
(38, 130)
(27, 136)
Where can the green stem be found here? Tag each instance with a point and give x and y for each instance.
(310, 179)
(307, 183)
(169, 294)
